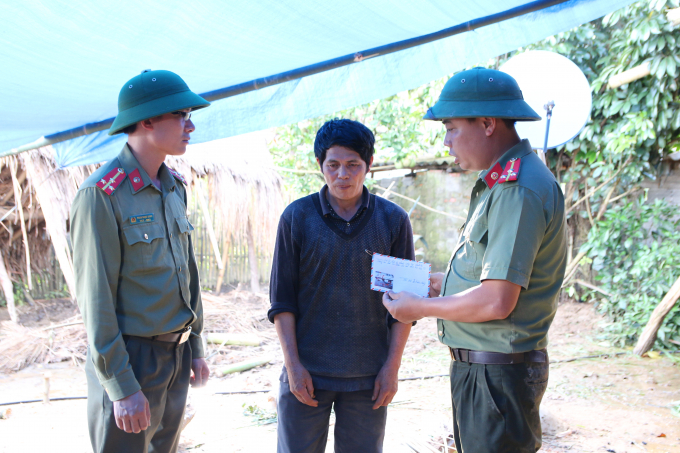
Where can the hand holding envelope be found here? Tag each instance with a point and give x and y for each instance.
(405, 284)
(403, 306)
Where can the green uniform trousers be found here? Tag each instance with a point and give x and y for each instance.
(495, 407)
(163, 371)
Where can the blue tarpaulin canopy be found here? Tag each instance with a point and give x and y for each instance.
(62, 63)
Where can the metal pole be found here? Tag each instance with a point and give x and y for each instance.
(548, 108)
(305, 71)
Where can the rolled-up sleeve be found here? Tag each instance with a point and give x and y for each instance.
(96, 264)
(517, 225)
(284, 281)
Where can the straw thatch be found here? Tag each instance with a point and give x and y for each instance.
(236, 175)
(243, 184)
(20, 258)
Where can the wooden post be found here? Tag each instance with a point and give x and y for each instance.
(46, 395)
(208, 223)
(17, 202)
(7, 288)
(252, 260)
(223, 269)
(648, 335)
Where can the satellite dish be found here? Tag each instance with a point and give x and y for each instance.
(544, 77)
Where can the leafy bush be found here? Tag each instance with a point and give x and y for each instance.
(636, 253)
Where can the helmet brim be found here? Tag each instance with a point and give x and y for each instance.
(178, 101)
(512, 109)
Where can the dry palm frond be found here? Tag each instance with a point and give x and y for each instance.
(22, 346)
(55, 190)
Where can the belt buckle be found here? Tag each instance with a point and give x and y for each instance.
(185, 335)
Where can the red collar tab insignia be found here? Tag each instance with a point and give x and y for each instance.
(493, 175)
(511, 171)
(110, 182)
(178, 176)
(136, 180)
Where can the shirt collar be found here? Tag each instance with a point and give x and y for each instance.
(516, 152)
(325, 205)
(133, 170)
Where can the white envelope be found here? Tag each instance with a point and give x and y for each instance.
(395, 274)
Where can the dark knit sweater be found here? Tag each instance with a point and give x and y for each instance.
(322, 275)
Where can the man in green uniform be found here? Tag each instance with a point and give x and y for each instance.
(499, 293)
(137, 282)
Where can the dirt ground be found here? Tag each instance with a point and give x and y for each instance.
(620, 403)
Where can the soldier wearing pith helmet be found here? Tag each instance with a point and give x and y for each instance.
(498, 296)
(137, 281)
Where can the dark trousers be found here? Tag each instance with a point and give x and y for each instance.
(304, 429)
(163, 370)
(495, 407)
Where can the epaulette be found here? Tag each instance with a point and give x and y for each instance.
(491, 178)
(511, 170)
(177, 175)
(110, 182)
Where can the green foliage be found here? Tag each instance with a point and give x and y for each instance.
(634, 246)
(262, 416)
(637, 123)
(636, 254)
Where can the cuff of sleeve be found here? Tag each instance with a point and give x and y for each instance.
(505, 273)
(118, 387)
(196, 343)
(271, 314)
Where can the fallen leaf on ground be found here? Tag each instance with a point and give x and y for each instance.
(565, 433)
(661, 435)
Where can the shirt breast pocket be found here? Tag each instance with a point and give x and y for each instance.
(144, 250)
(476, 243)
(184, 229)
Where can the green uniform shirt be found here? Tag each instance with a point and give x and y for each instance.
(134, 266)
(515, 231)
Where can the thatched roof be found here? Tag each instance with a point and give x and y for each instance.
(242, 182)
(237, 175)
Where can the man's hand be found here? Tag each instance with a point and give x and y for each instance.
(436, 281)
(386, 385)
(300, 383)
(200, 373)
(132, 413)
(403, 306)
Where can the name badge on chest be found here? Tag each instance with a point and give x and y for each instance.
(141, 218)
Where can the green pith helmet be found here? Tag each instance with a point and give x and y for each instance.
(150, 94)
(481, 93)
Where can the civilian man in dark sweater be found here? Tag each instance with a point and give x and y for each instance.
(341, 348)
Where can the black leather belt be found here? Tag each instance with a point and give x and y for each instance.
(498, 358)
(174, 337)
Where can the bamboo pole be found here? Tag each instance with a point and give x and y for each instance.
(571, 268)
(252, 259)
(225, 258)
(7, 288)
(208, 223)
(630, 75)
(245, 365)
(592, 192)
(233, 339)
(648, 335)
(14, 164)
